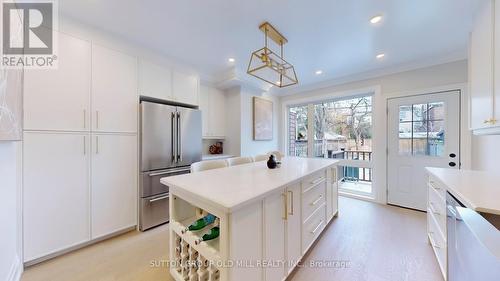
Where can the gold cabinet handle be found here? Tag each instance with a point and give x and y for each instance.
(285, 205)
(85, 119)
(317, 200)
(96, 144)
(291, 207)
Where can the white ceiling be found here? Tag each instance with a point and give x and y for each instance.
(331, 35)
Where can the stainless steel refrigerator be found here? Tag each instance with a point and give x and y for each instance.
(170, 142)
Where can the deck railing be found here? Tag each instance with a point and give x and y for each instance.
(346, 173)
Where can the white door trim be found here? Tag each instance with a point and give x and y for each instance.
(465, 133)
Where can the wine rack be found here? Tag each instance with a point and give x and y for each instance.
(191, 259)
(190, 264)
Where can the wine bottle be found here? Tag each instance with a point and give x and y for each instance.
(214, 233)
(200, 223)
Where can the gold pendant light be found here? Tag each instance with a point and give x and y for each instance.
(267, 65)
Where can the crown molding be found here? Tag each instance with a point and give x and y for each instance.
(371, 74)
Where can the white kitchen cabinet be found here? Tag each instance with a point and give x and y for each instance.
(212, 105)
(217, 114)
(114, 183)
(114, 91)
(205, 108)
(274, 234)
(155, 80)
(55, 193)
(185, 88)
(58, 99)
(332, 194)
(484, 69)
(293, 227)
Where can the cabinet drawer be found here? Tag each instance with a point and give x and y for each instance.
(313, 227)
(437, 207)
(313, 198)
(437, 186)
(438, 242)
(313, 179)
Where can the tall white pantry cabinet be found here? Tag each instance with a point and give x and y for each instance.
(80, 148)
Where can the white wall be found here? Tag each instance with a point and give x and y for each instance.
(486, 153)
(10, 212)
(239, 123)
(419, 81)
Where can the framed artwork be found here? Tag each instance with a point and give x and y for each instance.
(262, 119)
(11, 103)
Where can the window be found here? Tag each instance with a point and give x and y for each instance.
(421, 129)
(297, 130)
(340, 129)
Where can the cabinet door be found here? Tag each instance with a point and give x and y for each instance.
(331, 193)
(58, 99)
(155, 81)
(185, 88)
(481, 66)
(274, 234)
(114, 91)
(56, 192)
(205, 110)
(217, 113)
(496, 105)
(114, 183)
(293, 227)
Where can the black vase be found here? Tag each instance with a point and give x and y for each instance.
(271, 163)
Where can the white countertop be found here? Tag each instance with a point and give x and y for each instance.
(233, 187)
(215, 156)
(477, 190)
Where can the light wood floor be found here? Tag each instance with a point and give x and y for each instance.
(380, 243)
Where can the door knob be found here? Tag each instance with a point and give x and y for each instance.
(452, 164)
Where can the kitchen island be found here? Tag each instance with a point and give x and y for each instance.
(268, 219)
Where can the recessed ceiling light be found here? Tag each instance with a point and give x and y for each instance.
(231, 60)
(380, 56)
(319, 72)
(376, 19)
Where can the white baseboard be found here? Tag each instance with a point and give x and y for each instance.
(16, 270)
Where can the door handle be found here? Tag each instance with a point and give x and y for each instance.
(96, 144)
(291, 200)
(317, 200)
(97, 119)
(317, 227)
(159, 198)
(179, 138)
(452, 164)
(85, 119)
(314, 182)
(285, 207)
(172, 121)
(84, 145)
(169, 172)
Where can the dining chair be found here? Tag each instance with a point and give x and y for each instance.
(239, 161)
(261, 157)
(207, 165)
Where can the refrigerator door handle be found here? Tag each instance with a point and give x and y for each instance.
(174, 157)
(179, 139)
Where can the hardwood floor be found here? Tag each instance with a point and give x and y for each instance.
(377, 242)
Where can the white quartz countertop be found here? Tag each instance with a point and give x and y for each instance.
(233, 187)
(478, 190)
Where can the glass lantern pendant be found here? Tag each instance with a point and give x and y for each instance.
(269, 66)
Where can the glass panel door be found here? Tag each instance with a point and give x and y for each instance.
(343, 130)
(297, 131)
